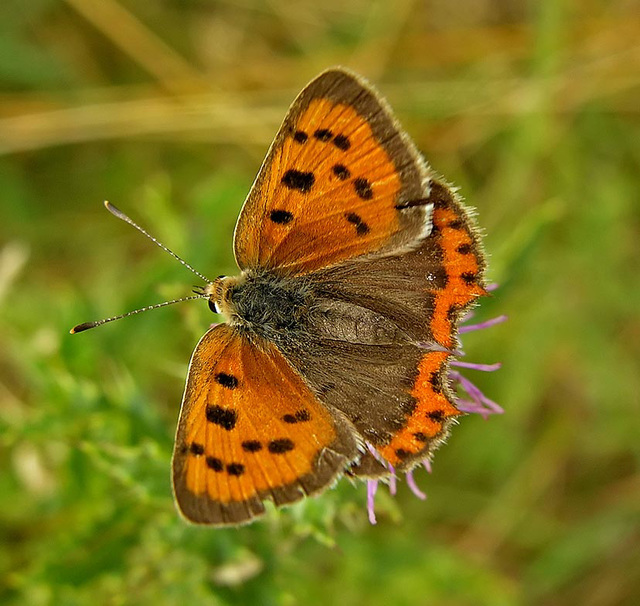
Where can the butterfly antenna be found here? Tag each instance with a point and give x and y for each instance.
(88, 325)
(116, 212)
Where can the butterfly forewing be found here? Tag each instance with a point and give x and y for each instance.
(336, 184)
(250, 430)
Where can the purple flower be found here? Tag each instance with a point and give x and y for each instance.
(469, 399)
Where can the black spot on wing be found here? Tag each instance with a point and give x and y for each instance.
(296, 179)
(299, 417)
(196, 449)
(251, 446)
(436, 381)
(342, 142)
(437, 416)
(235, 469)
(300, 136)
(224, 417)
(323, 134)
(281, 445)
(215, 464)
(281, 216)
(341, 171)
(361, 227)
(227, 380)
(469, 277)
(363, 188)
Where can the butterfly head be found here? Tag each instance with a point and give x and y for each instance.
(219, 293)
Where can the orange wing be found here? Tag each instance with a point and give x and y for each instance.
(249, 430)
(341, 180)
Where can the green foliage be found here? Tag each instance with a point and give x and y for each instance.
(166, 109)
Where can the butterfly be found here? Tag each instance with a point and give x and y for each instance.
(356, 264)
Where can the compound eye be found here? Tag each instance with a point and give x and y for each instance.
(212, 306)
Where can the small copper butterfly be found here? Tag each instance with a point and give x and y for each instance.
(356, 265)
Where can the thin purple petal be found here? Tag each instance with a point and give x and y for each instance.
(372, 487)
(472, 407)
(492, 287)
(427, 465)
(483, 367)
(482, 325)
(392, 479)
(494, 406)
(476, 395)
(414, 487)
(467, 385)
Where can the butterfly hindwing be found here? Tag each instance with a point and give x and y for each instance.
(340, 180)
(250, 430)
(454, 235)
(384, 330)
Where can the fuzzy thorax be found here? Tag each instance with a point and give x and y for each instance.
(261, 302)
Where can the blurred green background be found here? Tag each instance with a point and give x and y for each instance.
(166, 108)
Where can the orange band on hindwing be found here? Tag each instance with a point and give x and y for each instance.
(462, 260)
(463, 263)
(431, 416)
